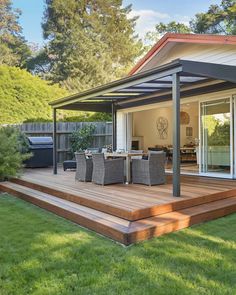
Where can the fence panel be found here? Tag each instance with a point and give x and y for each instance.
(102, 135)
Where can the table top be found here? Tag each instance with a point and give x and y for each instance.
(123, 154)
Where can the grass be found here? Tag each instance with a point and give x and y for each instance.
(41, 253)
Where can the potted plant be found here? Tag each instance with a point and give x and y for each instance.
(82, 139)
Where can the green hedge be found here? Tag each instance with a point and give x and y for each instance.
(25, 98)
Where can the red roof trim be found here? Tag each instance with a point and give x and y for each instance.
(184, 38)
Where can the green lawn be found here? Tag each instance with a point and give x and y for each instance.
(41, 253)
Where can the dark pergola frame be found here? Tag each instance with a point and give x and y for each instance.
(180, 78)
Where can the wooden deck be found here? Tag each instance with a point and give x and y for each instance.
(126, 213)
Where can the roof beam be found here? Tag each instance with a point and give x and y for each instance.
(142, 89)
(89, 107)
(137, 90)
(211, 70)
(152, 99)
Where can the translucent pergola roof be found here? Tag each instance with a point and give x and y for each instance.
(145, 86)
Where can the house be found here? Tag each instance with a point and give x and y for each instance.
(180, 97)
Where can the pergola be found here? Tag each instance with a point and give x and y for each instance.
(180, 78)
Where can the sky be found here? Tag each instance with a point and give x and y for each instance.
(150, 12)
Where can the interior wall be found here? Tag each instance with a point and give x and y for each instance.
(145, 125)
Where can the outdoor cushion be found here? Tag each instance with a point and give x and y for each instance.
(69, 164)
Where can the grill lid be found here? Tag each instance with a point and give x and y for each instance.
(40, 140)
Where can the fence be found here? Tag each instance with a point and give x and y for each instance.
(102, 135)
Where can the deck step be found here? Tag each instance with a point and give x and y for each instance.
(103, 223)
(89, 199)
(162, 224)
(119, 229)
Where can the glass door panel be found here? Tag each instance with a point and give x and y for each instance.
(216, 137)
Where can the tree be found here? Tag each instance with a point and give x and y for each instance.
(219, 19)
(13, 47)
(39, 63)
(161, 29)
(89, 42)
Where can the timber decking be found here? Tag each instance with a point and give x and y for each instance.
(121, 230)
(131, 202)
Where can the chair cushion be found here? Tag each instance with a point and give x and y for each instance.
(69, 164)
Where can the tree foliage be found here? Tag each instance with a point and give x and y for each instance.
(39, 64)
(23, 96)
(219, 19)
(89, 42)
(218, 131)
(89, 117)
(82, 139)
(160, 29)
(13, 47)
(21, 138)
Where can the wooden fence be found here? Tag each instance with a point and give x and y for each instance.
(102, 135)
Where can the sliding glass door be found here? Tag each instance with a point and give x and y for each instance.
(216, 126)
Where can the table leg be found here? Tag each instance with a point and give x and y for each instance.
(127, 163)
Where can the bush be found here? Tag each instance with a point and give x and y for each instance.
(88, 117)
(82, 139)
(24, 96)
(80, 117)
(13, 151)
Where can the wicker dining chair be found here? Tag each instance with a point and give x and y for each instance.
(136, 152)
(107, 171)
(150, 171)
(84, 168)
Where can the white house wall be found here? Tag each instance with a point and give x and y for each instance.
(220, 54)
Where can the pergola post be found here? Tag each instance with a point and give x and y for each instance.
(54, 141)
(176, 134)
(113, 127)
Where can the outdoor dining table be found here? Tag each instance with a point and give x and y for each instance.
(127, 157)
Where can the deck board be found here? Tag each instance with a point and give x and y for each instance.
(134, 201)
(119, 229)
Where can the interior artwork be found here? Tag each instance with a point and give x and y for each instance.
(184, 118)
(162, 127)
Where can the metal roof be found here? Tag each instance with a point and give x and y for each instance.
(155, 83)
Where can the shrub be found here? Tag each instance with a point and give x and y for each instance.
(82, 139)
(88, 117)
(24, 96)
(13, 151)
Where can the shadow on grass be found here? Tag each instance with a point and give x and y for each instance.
(41, 253)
